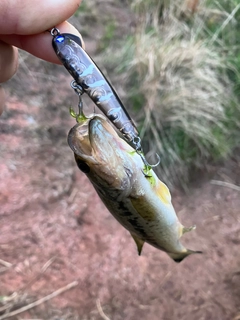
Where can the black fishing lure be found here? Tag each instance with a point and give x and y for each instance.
(91, 80)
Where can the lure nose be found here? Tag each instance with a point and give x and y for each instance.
(59, 41)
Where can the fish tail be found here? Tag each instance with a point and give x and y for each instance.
(178, 257)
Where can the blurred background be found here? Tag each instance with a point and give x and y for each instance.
(176, 66)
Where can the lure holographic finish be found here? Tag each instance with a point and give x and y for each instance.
(88, 76)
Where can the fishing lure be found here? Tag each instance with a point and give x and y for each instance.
(89, 79)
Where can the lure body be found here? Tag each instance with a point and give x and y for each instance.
(92, 81)
(142, 204)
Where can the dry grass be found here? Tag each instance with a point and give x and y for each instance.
(177, 82)
(183, 92)
(19, 302)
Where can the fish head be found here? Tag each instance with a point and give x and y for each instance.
(100, 153)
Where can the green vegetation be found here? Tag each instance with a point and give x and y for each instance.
(108, 35)
(182, 77)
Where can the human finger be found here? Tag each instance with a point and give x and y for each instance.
(2, 99)
(8, 66)
(34, 16)
(40, 45)
(8, 61)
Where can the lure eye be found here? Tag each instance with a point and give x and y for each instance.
(82, 165)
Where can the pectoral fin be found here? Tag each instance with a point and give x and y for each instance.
(138, 242)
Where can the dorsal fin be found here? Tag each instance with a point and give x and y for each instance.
(184, 229)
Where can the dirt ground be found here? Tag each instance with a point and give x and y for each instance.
(55, 230)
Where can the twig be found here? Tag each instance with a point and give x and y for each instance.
(226, 184)
(100, 310)
(47, 264)
(5, 263)
(40, 301)
(38, 275)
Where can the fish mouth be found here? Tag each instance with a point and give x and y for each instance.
(78, 139)
(93, 137)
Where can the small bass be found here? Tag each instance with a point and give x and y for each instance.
(140, 202)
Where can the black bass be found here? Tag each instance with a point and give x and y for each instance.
(139, 201)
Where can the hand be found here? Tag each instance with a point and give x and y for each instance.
(23, 24)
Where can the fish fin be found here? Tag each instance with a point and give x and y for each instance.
(138, 242)
(178, 257)
(163, 193)
(184, 229)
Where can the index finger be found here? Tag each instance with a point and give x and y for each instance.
(40, 45)
(25, 17)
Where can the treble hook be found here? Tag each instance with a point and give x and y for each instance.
(79, 91)
(147, 165)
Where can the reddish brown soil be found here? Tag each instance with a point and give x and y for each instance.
(55, 230)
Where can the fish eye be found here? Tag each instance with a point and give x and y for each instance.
(82, 166)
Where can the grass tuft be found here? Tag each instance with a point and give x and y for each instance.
(178, 78)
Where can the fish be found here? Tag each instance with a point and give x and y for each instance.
(140, 202)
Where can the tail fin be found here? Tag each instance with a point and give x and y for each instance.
(178, 257)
